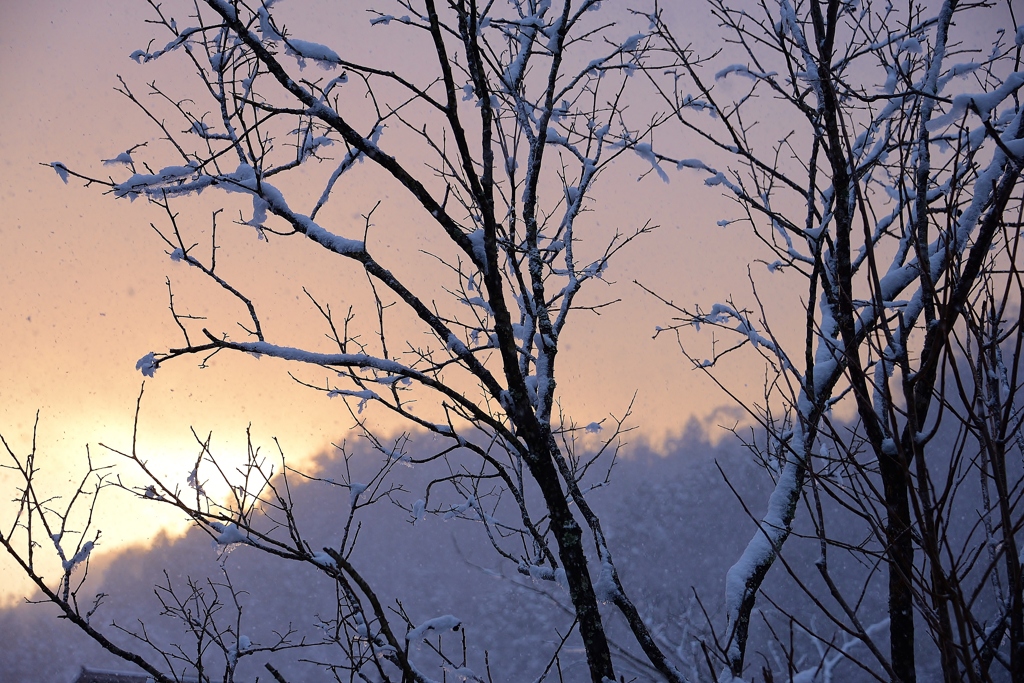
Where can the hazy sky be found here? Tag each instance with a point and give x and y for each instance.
(82, 276)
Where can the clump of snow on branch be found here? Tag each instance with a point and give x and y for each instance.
(81, 556)
(325, 57)
(61, 169)
(228, 534)
(438, 624)
(147, 364)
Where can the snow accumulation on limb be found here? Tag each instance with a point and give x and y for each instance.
(323, 560)
(357, 360)
(175, 181)
(744, 578)
(360, 360)
(721, 314)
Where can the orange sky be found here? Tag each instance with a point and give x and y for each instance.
(83, 294)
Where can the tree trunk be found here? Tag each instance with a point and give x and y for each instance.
(569, 536)
(901, 567)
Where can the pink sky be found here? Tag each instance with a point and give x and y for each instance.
(83, 293)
